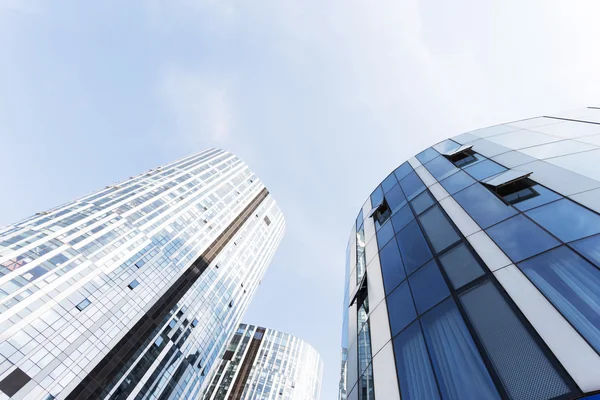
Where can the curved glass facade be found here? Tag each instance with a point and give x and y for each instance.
(473, 269)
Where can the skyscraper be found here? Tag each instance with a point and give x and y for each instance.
(131, 292)
(264, 364)
(473, 269)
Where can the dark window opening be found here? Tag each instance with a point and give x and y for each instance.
(267, 220)
(463, 158)
(381, 212)
(14, 382)
(516, 191)
(133, 284)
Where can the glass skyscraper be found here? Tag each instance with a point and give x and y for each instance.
(473, 269)
(133, 291)
(264, 364)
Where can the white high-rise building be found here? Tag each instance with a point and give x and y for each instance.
(264, 364)
(133, 291)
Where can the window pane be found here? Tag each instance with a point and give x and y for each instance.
(456, 361)
(567, 220)
(589, 248)
(400, 308)
(440, 232)
(520, 238)
(426, 155)
(395, 198)
(376, 196)
(385, 233)
(413, 366)
(402, 218)
(389, 182)
(505, 340)
(446, 146)
(460, 266)
(422, 202)
(571, 284)
(457, 182)
(403, 170)
(412, 185)
(413, 247)
(428, 287)
(484, 169)
(359, 220)
(391, 266)
(440, 168)
(484, 207)
(544, 196)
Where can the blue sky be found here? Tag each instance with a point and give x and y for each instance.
(321, 98)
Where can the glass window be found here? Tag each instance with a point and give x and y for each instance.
(84, 303)
(567, 220)
(463, 158)
(376, 196)
(438, 229)
(412, 185)
(395, 198)
(403, 170)
(385, 233)
(400, 308)
(413, 366)
(457, 182)
(461, 266)
(484, 169)
(392, 268)
(413, 247)
(544, 196)
(389, 182)
(589, 248)
(422, 202)
(571, 284)
(133, 284)
(520, 238)
(402, 218)
(428, 287)
(446, 146)
(359, 220)
(483, 206)
(458, 366)
(505, 340)
(440, 168)
(427, 155)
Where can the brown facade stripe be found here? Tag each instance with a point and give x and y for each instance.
(111, 368)
(240, 382)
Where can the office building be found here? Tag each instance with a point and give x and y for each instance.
(133, 291)
(473, 269)
(264, 364)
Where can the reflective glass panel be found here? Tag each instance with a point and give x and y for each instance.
(422, 202)
(439, 230)
(457, 182)
(402, 218)
(483, 206)
(389, 182)
(392, 268)
(446, 146)
(571, 284)
(412, 185)
(400, 308)
(589, 248)
(403, 170)
(544, 196)
(520, 238)
(461, 266)
(395, 198)
(376, 196)
(567, 220)
(359, 220)
(413, 247)
(426, 155)
(428, 287)
(385, 233)
(484, 169)
(440, 168)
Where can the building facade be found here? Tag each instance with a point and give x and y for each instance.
(473, 269)
(264, 364)
(133, 291)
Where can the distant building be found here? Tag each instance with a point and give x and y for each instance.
(473, 269)
(264, 364)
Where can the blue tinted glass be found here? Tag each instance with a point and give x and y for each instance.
(460, 266)
(402, 218)
(457, 182)
(422, 202)
(520, 238)
(395, 198)
(545, 196)
(439, 231)
(571, 284)
(484, 169)
(412, 185)
(483, 206)
(413, 366)
(456, 361)
(567, 220)
(385, 233)
(426, 155)
(589, 248)
(401, 308)
(446, 146)
(359, 220)
(440, 168)
(428, 287)
(376, 196)
(403, 170)
(389, 182)
(413, 247)
(391, 266)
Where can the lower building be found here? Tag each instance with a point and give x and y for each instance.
(264, 364)
(473, 269)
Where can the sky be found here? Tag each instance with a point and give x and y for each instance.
(322, 99)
